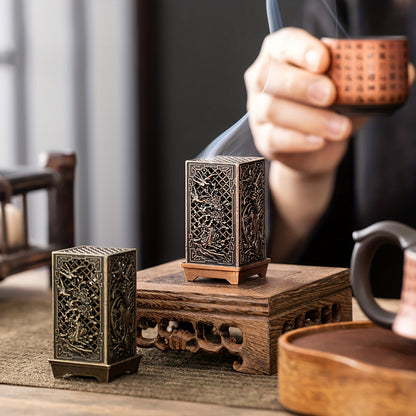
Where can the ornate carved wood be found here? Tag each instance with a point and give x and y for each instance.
(244, 320)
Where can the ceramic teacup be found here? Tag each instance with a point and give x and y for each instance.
(370, 74)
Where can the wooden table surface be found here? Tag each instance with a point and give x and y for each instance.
(20, 400)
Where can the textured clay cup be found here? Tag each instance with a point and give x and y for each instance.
(367, 242)
(370, 74)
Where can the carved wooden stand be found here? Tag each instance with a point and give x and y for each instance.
(244, 320)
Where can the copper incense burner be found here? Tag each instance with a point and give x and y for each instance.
(225, 218)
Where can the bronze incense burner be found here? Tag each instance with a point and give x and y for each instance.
(94, 312)
(225, 218)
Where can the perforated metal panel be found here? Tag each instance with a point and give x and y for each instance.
(225, 211)
(94, 304)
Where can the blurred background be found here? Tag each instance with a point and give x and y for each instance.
(134, 87)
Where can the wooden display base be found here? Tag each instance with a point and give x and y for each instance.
(352, 368)
(101, 372)
(232, 274)
(245, 320)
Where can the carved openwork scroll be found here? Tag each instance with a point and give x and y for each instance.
(241, 322)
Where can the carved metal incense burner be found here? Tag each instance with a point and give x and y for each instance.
(94, 312)
(225, 218)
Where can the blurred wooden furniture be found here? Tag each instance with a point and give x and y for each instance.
(57, 178)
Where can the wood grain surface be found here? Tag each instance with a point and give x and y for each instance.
(21, 400)
(353, 366)
(260, 308)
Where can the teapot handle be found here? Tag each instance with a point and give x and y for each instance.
(367, 243)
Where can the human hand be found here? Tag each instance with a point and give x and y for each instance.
(288, 95)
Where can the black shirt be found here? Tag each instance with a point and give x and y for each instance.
(377, 178)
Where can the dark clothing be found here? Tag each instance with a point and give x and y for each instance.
(377, 178)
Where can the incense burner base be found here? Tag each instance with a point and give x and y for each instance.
(102, 372)
(232, 274)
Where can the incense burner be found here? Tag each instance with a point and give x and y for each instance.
(94, 312)
(225, 218)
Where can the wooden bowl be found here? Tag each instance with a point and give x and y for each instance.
(351, 368)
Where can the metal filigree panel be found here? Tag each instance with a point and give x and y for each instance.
(122, 306)
(210, 206)
(94, 304)
(252, 212)
(79, 296)
(225, 203)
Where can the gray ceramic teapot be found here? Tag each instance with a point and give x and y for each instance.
(367, 243)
